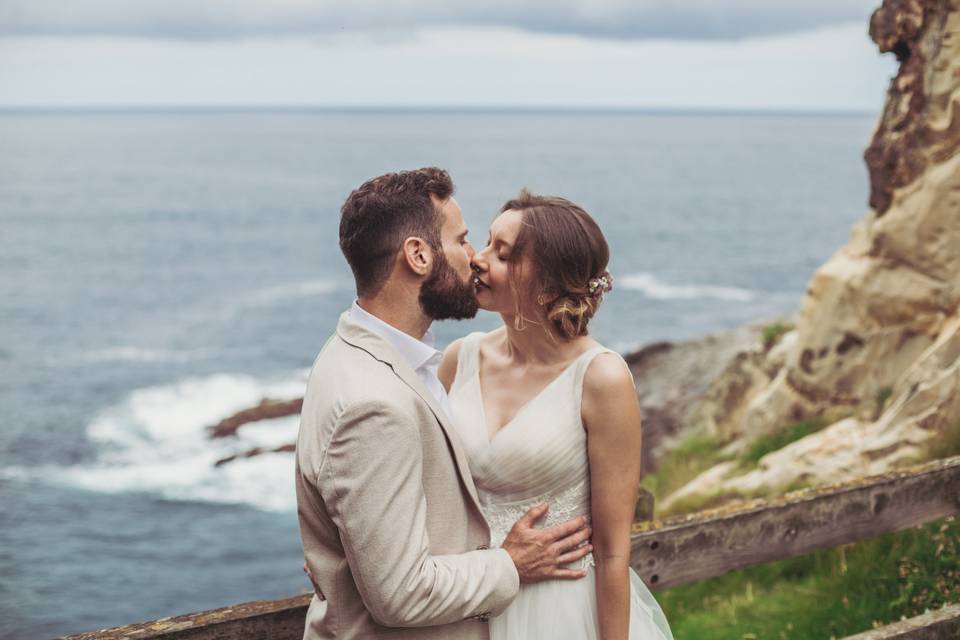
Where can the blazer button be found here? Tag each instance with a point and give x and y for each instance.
(483, 617)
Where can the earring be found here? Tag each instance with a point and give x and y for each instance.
(541, 299)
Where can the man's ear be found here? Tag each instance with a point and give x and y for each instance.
(417, 255)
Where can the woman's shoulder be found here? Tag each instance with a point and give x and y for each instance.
(607, 374)
(609, 396)
(450, 362)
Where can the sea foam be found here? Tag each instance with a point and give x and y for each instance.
(285, 292)
(156, 442)
(141, 354)
(653, 287)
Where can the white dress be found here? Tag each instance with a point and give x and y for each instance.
(541, 456)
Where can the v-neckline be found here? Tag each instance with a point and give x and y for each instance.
(483, 408)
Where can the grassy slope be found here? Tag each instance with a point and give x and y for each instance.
(830, 593)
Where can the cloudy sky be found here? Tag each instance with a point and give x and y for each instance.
(700, 54)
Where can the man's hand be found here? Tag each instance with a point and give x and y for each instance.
(542, 554)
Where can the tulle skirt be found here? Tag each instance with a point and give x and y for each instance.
(567, 610)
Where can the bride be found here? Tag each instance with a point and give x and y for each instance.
(549, 416)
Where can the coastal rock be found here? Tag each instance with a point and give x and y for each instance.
(722, 406)
(920, 125)
(877, 335)
(673, 378)
(266, 410)
(256, 451)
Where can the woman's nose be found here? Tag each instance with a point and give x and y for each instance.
(478, 261)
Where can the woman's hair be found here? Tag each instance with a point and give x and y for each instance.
(567, 250)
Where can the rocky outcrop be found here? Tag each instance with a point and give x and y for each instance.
(877, 335)
(256, 451)
(674, 378)
(266, 410)
(920, 125)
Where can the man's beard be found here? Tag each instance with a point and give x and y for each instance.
(443, 295)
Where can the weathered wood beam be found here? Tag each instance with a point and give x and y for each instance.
(274, 619)
(942, 624)
(710, 543)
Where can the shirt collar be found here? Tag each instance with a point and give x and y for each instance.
(417, 353)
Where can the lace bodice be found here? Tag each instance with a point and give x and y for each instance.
(539, 456)
(565, 505)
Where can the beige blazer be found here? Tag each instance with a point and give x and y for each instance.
(389, 518)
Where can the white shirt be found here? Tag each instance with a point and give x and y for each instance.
(420, 355)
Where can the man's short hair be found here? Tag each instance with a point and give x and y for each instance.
(384, 211)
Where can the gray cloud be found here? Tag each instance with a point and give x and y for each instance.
(620, 19)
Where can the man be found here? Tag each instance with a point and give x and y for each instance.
(393, 536)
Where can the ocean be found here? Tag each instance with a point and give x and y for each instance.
(160, 270)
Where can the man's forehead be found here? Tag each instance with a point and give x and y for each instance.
(451, 205)
(453, 216)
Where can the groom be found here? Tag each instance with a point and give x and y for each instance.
(392, 531)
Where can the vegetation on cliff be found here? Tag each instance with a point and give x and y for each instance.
(827, 594)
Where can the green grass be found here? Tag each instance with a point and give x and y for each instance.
(835, 592)
(698, 452)
(700, 502)
(830, 593)
(943, 446)
(772, 332)
(778, 439)
(695, 454)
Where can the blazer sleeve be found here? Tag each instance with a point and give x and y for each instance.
(370, 480)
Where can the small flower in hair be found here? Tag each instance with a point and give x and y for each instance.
(600, 285)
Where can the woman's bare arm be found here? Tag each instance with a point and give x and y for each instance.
(611, 414)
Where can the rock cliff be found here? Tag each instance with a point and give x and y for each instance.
(876, 349)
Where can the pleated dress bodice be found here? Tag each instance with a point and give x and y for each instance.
(539, 456)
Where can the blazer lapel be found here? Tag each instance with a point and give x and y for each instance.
(361, 337)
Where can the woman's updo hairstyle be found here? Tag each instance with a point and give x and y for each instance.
(567, 250)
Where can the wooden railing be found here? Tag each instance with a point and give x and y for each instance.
(710, 543)
(686, 549)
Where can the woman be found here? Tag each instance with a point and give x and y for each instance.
(548, 415)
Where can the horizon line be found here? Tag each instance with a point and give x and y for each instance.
(375, 109)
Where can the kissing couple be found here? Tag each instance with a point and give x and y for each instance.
(488, 491)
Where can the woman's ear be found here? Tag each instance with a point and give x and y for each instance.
(417, 255)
